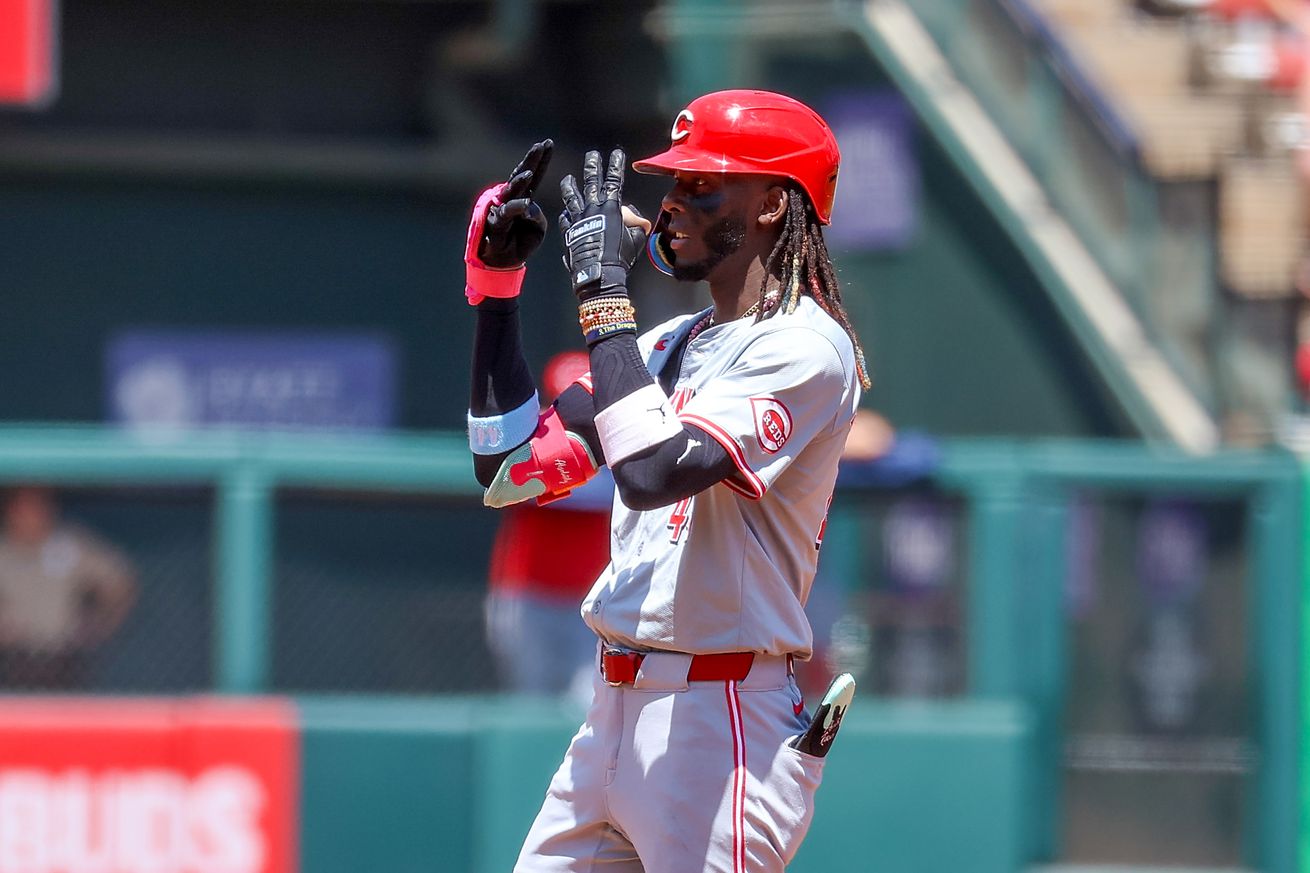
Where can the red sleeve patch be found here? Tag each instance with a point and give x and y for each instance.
(773, 423)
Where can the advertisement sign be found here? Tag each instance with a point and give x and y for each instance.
(27, 51)
(877, 204)
(122, 786)
(183, 379)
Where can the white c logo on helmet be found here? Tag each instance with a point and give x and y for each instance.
(682, 126)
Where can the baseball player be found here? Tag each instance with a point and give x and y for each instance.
(722, 430)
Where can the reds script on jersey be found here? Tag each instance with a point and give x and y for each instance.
(779, 396)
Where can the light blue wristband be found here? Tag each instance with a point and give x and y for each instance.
(500, 433)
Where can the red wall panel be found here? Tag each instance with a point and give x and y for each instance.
(185, 786)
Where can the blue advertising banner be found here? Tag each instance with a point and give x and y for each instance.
(877, 205)
(174, 379)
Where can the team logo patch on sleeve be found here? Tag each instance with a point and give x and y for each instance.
(772, 423)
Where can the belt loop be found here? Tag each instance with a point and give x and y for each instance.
(618, 666)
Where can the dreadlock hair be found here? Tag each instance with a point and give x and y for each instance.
(800, 260)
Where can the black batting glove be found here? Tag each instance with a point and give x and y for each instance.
(599, 249)
(515, 228)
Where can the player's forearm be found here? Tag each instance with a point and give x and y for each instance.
(678, 465)
(501, 378)
(617, 370)
(676, 469)
(501, 383)
(578, 412)
(505, 228)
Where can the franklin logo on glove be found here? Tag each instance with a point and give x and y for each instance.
(586, 227)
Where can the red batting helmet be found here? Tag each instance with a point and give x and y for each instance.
(754, 132)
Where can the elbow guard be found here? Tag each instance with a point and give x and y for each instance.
(547, 467)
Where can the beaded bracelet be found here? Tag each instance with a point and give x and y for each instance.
(606, 306)
(606, 316)
(590, 324)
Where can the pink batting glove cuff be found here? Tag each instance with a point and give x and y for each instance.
(480, 280)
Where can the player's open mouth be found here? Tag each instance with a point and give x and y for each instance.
(677, 240)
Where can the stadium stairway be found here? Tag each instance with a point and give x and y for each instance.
(1164, 393)
(1139, 189)
(1194, 122)
(1164, 403)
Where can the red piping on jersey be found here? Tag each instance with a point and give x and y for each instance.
(738, 778)
(757, 488)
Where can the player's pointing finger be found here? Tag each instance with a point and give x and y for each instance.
(530, 170)
(537, 160)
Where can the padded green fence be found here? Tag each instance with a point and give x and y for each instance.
(452, 785)
(1015, 498)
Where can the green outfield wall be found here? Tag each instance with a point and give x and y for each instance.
(1305, 671)
(460, 776)
(452, 785)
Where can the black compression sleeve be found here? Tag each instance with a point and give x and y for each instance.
(676, 468)
(617, 369)
(685, 465)
(578, 412)
(501, 380)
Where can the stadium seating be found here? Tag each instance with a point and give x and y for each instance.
(1211, 90)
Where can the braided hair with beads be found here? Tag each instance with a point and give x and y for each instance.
(800, 260)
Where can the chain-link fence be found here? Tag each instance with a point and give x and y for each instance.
(381, 594)
(1158, 707)
(371, 594)
(106, 590)
(888, 603)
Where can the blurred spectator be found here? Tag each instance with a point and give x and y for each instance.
(544, 560)
(875, 456)
(871, 437)
(1290, 75)
(63, 592)
(1290, 67)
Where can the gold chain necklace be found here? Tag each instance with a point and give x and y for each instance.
(708, 321)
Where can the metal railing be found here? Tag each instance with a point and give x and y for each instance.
(1014, 499)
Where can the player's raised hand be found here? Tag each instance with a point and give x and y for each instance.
(602, 237)
(516, 225)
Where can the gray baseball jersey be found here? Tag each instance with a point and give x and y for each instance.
(729, 570)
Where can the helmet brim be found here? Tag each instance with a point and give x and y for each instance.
(692, 160)
(684, 158)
